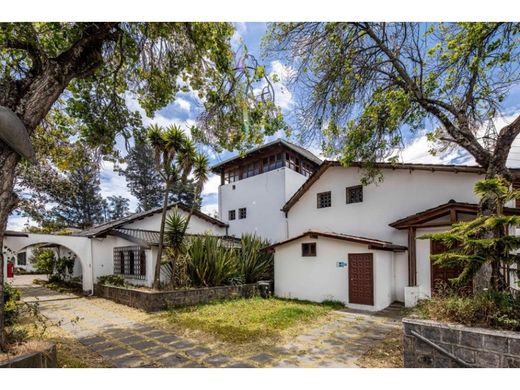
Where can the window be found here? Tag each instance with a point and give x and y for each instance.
(242, 213)
(324, 199)
(309, 249)
(355, 194)
(231, 176)
(232, 215)
(130, 261)
(252, 169)
(21, 258)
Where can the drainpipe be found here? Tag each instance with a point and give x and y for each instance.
(92, 265)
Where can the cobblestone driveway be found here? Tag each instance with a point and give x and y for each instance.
(122, 336)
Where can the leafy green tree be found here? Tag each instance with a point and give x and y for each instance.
(76, 78)
(44, 260)
(484, 241)
(116, 207)
(146, 184)
(366, 84)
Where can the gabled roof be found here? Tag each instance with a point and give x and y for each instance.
(411, 167)
(372, 243)
(149, 238)
(442, 210)
(298, 149)
(103, 228)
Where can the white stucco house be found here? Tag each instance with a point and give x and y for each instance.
(332, 238)
(126, 247)
(358, 244)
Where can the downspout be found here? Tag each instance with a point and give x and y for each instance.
(92, 266)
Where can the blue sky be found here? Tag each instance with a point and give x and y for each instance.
(184, 111)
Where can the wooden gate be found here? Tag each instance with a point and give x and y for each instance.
(361, 278)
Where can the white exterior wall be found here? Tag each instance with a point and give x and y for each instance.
(263, 196)
(401, 194)
(197, 225)
(318, 278)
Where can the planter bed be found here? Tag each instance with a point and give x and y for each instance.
(159, 300)
(45, 357)
(468, 346)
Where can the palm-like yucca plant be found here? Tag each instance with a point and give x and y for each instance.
(253, 263)
(484, 240)
(210, 261)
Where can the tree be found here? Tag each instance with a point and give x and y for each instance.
(145, 182)
(116, 207)
(81, 75)
(367, 83)
(174, 158)
(470, 244)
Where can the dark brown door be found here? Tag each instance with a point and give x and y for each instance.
(441, 275)
(361, 278)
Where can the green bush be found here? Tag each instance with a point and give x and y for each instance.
(210, 262)
(11, 298)
(253, 263)
(111, 280)
(44, 261)
(493, 309)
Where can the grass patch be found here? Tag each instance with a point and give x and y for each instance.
(249, 320)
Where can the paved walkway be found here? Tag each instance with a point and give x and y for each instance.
(121, 335)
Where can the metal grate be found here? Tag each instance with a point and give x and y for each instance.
(130, 261)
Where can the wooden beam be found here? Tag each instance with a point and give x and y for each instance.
(412, 257)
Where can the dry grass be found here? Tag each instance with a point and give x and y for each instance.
(23, 348)
(385, 354)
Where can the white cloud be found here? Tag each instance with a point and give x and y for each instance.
(285, 73)
(183, 104)
(113, 184)
(238, 36)
(210, 209)
(211, 186)
(18, 223)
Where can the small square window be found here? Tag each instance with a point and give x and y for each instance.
(231, 215)
(309, 249)
(354, 194)
(242, 213)
(324, 199)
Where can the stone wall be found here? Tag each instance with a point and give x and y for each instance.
(46, 358)
(159, 300)
(476, 346)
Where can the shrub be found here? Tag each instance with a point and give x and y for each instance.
(253, 263)
(111, 280)
(44, 261)
(210, 261)
(494, 309)
(11, 298)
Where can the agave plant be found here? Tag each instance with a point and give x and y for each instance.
(253, 263)
(210, 262)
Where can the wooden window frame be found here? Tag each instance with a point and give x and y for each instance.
(309, 249)
(244, 211)
(348, 194)
(319, 202)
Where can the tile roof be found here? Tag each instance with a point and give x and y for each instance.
(107, 226)
(371, 242)
(298, 149)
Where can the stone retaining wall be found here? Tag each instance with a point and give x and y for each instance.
(476, 346)
(46, 358)
(159, 300)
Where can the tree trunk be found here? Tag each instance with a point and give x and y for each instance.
(490, 275)
(157, 275)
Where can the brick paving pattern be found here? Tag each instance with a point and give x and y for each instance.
(126, 342)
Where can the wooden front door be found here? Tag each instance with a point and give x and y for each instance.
(361, 278)
(441, 275)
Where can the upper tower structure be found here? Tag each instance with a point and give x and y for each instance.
(254, 187)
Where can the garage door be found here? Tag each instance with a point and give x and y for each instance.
(361, 278)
